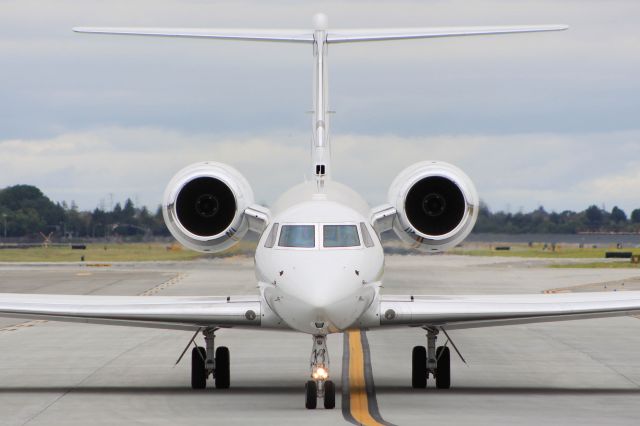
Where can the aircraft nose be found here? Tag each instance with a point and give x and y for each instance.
(325, 288)
(322, 300)
(334, 299)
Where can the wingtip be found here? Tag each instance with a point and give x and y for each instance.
(85, 29)
(553, 27)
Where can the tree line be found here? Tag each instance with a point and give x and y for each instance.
(25, 212)
(592, 219)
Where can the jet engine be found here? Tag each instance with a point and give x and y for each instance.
(204, 206)
(436, 205)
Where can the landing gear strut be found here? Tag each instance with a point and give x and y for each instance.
(320, 386)
(210, 361)
(431, 360)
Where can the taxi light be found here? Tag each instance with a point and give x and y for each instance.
(320, 374)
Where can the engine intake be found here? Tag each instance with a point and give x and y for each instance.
(436, 205)
(204, 206)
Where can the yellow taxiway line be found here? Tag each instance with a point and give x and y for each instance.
(363, 407)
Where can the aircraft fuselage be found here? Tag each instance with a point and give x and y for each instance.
(320, 269)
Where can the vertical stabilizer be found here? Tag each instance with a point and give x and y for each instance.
(321, 149)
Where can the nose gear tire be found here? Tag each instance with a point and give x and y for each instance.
(311, 395)
(329, 395)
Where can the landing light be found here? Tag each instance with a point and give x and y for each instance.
(320, 373)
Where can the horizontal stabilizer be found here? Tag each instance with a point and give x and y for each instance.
(304, 36)
(345, 36)
(333, 36)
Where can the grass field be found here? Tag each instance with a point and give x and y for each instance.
(139, 252)
(538, 251)
(126, 252)
(606, 265)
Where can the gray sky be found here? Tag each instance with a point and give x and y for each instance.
(549, 119)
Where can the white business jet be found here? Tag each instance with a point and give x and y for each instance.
(319, 261)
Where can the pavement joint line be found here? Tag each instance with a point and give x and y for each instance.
(172, 281)
(588, 355)
(26, 324)
(81, 382)
(166, 284)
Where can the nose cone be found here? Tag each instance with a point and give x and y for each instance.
(324, 289)
(332, 296)
(337, 311)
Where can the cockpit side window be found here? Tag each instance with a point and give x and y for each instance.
(340, 236)
(271, 239)
(366, 237)
(303, 236)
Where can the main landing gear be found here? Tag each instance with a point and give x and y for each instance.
(431, 360)
(206, 362)
(320, 386)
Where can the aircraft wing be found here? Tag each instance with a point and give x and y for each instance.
(459, 312)
(182, 313)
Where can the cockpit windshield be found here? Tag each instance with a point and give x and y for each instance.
(303, 236)
(340, 236)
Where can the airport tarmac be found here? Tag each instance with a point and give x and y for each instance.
(578, 372)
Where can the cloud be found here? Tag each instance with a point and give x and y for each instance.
(620, 189)
(510, 171)
(138, 162)
(534, 119)
(583, 80)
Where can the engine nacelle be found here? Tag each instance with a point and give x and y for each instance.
(436, 205)
(204, 206)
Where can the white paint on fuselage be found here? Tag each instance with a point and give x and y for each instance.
(308, 287)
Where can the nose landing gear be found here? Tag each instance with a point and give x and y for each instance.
(320, 386)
